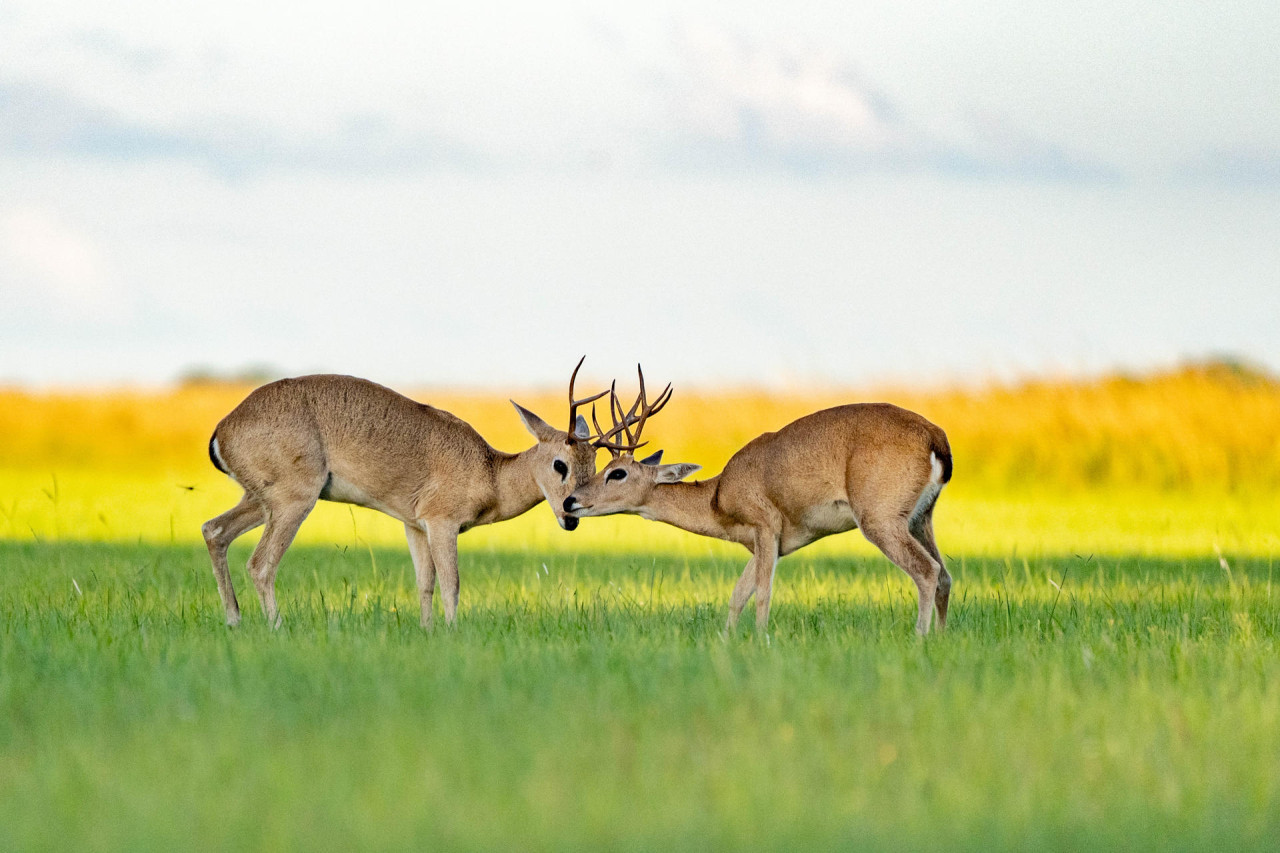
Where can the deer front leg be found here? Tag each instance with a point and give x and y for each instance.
(742, 591)
(424, 570)
(443, 540)
(756, 578)
(766, 559)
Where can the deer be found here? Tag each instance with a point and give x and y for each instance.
(870, 466)
(338, 438)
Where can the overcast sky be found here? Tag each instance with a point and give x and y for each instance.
(753, 193)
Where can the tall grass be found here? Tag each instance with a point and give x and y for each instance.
(1211, 427)
(1176, 463)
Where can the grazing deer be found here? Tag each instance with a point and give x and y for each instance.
(339, 438)
(871, 466)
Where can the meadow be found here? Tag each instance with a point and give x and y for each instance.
(1109, 676)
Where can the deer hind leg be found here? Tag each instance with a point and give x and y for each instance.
(424, 570)
(894, 538)
(922, 530)
(219, 533)
(283, 520)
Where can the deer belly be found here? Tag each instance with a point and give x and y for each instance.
(827, 518)
(343, 491)
(817, 522)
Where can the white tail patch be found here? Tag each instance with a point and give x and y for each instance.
(931, 491)
(222, 463)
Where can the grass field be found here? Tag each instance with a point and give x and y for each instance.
(589, 700)
(1110, 678)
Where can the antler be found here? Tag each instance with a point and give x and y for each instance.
(602, 436)
(640, 412)
(574, 404)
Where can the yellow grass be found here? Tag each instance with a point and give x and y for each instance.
(1174, 463)
(1201, 428)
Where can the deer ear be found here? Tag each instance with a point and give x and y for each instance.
(580, 429)
(652, 460)
(675, 473)
(539, 428)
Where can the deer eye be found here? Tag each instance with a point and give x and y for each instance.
(617, 474)
(560, 468)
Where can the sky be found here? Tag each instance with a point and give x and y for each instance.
(749, 194)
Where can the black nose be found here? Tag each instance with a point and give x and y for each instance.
(569, 502)
(570, 522)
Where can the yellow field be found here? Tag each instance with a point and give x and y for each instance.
(1184, 462)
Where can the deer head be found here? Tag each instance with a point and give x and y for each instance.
(624, 484)
(562, 461)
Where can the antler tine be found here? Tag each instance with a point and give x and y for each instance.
(596, 423)
(643, 400)
(625, 419)
(647, 410)
(574, 404)
(602, 435)
(602, 439)
(618, 449)
(663, 399)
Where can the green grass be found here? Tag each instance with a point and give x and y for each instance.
(589, 700)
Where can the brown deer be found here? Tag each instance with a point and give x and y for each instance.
(339, 438)
(872, 466)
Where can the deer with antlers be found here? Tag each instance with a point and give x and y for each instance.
(339, 438)
(872, 466)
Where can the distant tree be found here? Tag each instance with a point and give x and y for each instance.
(256, 374)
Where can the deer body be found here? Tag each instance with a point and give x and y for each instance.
(872, 466)
(339, 438)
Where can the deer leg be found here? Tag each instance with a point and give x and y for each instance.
(895, 540)
(757, 579)
(766, 559)
(742, 591)
(424, 569)
(282, 525)
(219, 533)
(443, 540)
(922, 530)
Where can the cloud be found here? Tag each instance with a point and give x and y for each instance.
(42, 121)
(42, 256)
(991, 145)
(689, 99)
(1234, 167)
(119, 51)
(741, 102)
(737, 103)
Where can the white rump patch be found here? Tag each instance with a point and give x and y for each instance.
(936, 464)
(222, 463)
(931, 491)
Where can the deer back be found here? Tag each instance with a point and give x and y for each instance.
(358, 433)
(857, 452)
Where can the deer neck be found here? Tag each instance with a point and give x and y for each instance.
(687, 506)
(516, 490)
